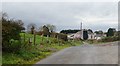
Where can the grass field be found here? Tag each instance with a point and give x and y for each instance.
(30, 54)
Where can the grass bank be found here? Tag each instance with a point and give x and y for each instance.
(103, 40)
(30, 54)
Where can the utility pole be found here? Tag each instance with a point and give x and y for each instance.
(81, 31)
(81, 26)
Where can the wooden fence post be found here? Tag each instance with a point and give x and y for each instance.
(24, 37)
(34, 37)
(30, 41)
(58, 39)
(42, 38)
(47, 39)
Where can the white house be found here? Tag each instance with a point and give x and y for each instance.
(91, 35)
(77, 35)
(70, 36)
(99, 36)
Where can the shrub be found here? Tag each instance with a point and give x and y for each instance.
(54, 40)
(13, 46)
(10, 30)
(110, 39)
(62, 36)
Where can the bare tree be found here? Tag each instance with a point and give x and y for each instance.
(31, 27)
(51, 28)
(41, 28)
(4, 15)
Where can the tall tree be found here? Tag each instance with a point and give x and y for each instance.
(90, 31)
(99, 32)
(111, 32)
(85, 34)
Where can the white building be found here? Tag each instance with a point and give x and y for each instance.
(79, 35)
(99, 36)
(91, 36)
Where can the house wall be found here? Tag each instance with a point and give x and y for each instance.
(91, 36)
(79, 35)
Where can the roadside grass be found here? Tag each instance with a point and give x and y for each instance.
(30, 54)
(0, 58)
(95, 42)
(103, 40)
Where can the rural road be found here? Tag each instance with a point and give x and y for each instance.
(85, 54)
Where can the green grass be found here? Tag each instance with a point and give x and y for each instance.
(97, 41)
(25, 58)
(27, 36)
(0, 58)
(32, 54)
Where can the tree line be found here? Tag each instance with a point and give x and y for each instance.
(110, 31)
(12, 28)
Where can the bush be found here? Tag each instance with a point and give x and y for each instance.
(54, 40)
(62, 36)
(110, 39)
(59, 36)
(10, 30)
(13, 46)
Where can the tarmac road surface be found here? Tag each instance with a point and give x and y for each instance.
(85, 54)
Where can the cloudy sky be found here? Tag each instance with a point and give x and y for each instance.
(65, 15)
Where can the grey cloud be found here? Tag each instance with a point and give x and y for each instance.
(61, 14)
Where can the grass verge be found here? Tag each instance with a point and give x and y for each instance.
(30, 54)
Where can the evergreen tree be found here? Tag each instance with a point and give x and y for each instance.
(111, 32)
(85, 34)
